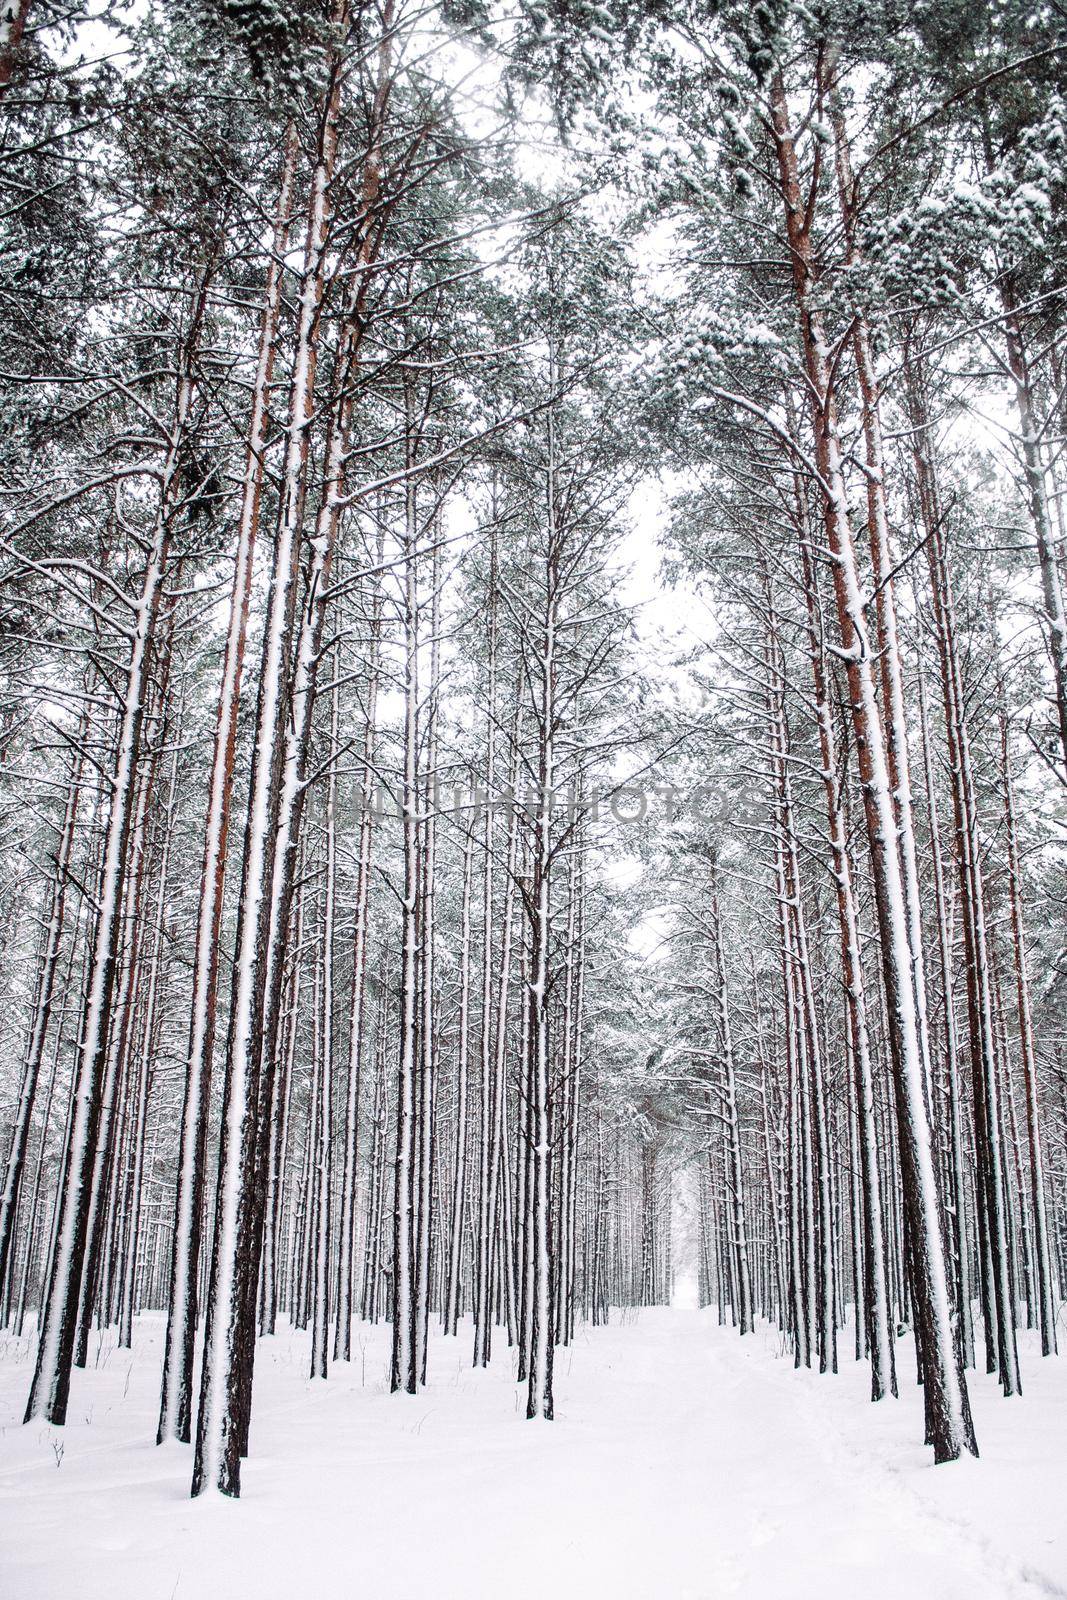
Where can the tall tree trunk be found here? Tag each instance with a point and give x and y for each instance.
(175, 1408)
(459, 1166)
(228, 1348)
(347, 1222)
(59, 1314)
(997, 1302)
(1046, 1310)
(946, 1393)
(43, 1001)
(735, 1187)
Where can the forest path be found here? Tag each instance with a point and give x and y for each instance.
(684, 1464)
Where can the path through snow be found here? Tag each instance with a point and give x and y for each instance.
(684, 1464)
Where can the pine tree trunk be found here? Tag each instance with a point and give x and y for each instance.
(175, 1410)
(42, 1011)
(459, 1169)
(347, 1221)
(949, 1409)
(1046, 1310)
(59, 1314)
(233, 1275)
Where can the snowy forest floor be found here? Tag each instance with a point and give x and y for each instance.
(684, 1464)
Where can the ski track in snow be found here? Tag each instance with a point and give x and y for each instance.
(684, 1464)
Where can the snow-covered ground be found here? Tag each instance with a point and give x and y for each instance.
(684, 1463)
